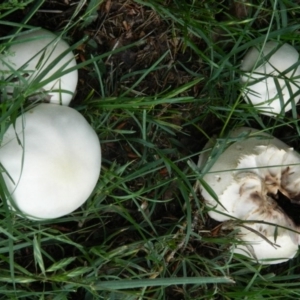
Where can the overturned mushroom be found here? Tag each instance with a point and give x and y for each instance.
(248, 179)
(31, 54)
(271, 75)
(51, 158)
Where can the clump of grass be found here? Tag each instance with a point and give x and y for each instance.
(157, 80)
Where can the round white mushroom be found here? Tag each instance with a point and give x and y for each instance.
(247, 178)
(52, 157)
(31, 54)
(262, 68)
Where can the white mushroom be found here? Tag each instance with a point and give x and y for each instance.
(29, 56)
(247, 178)
(262, 68)
(52, 157)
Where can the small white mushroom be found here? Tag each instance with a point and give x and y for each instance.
(262, 68)
(52, 157)
(247, 178)
(30, 55)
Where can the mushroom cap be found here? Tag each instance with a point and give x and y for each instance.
(220, 175)
(244, 178)
(272, 252)
(261, 89)
(54, 161)
(31, 54)
(262, 242)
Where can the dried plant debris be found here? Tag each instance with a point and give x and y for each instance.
(123, 23)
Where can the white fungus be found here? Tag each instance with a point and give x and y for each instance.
(53, 159)
(271, 77)
(247, 178)
(30, 54)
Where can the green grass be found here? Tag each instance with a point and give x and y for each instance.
(145, 233)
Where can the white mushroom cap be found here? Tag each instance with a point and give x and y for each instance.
(266, 250)
(263, 242)
(56, 164)
(220, 175)
(32, 53)
(245, 177)
(261, 89)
